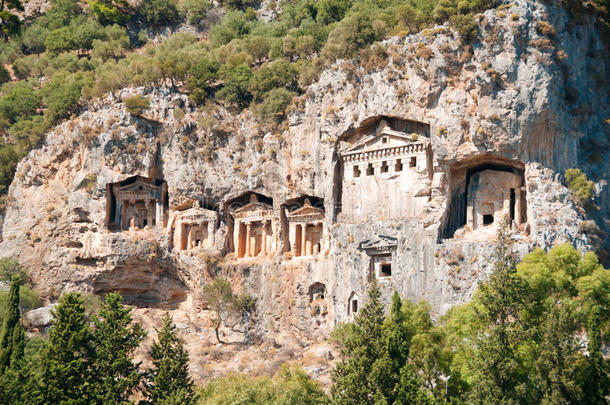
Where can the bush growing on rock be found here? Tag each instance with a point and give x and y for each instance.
(580, 187)
(194, 10)
(136, 105)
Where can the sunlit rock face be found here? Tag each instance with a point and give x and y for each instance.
(400, 172)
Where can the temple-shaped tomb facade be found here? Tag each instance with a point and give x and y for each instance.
(385, 170)
(484, 190)
(305, 229)
(493, 195)
(137, 203)
(254, 229)
(194, 228)
(382, 251)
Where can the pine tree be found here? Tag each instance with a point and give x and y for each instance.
(115, 339)
(360, 376)
(597, 386)
(66, 372)
(168, 382)
(498, 373)
(12, 341)
(12, 345)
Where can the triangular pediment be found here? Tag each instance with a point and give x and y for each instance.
(307, 210)
(387, 138)
(138, 186)
(380, 243)
(253, 206)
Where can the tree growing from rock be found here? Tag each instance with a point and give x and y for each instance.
(115, 339)
(168, 382)
(220, 298)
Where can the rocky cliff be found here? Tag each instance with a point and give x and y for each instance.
(528, 98)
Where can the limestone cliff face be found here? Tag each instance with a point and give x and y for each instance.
(517, 102)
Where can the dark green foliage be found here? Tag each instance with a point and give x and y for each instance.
(194, 10)
(233, 25)
(10, 268)
(276, 75)
(12, 339)
(115, 339)
(109, 11)
(238, 4)
(274, 104)
(168, 382)
(19, 101)
(65, 376)
(8, 162)
(202, 77)
(10, 24)
(136, 105)
(236, 83)
(497, 364)
(159, 12)
(4, 75)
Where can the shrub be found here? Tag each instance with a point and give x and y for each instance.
(236, 82)
(194, 10)
(19, 101)
(202, 75)
(274, 104)
(580, 187)
(159, 12)
(279, 74)
(4, 75)
(136, 105)
(466, 26)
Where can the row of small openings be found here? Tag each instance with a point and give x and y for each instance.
(384, 167)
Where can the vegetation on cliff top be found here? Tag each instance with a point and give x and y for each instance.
(54, 62)
(533, 333)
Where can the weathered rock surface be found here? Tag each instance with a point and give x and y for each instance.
(516, 96)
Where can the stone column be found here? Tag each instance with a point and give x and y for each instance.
(303, 239)
(518, 206)
(264, 240)
(211, 234)
(248, 236)
(189, 237)
(376, 168)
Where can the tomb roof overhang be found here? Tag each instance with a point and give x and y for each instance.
(306, 213)
(380, 244)
(253, 210)
(196, 215)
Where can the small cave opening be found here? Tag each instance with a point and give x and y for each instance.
(483, 190)
(316, 291)
(352, 304)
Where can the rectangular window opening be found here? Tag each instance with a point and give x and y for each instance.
(369, 170)
(398, 166)
(384, 167)
(356, 171)
(413, 162)
(385, 270)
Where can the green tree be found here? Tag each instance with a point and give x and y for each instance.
(10, 24)
(11, 268)
(109, 11)
(220, 298)
(202, 77)
(136, 105)
(498, 371)
(360, 377)
(278, 74)
(12, 340)
(19, 101)
(274, 105)
(236, 82)
(168, 382)
(194, 10)
(580, 186)
(66, 371)
(115, 339)
(159, 12)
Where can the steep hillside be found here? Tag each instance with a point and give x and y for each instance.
(397, 165)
